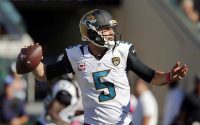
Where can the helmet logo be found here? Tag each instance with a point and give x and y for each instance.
(88, 21)
(113, 22)
(90, 17)
(116, 61)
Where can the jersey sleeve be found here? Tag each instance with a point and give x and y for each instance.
(135, 65)
(59, 68)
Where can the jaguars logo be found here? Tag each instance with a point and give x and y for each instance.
(90, 17)
(116, 61)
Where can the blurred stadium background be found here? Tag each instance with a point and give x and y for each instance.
(161, 32)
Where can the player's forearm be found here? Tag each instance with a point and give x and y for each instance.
(56, 119)
(160, 78)
(40, 72)
(54, 108)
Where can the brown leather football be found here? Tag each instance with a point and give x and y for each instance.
(28, 59)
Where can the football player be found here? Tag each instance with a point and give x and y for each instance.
(63, 106)
(101, 68)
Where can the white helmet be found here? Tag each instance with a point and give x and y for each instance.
(67, 86)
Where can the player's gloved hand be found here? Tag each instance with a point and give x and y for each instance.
(178, 72)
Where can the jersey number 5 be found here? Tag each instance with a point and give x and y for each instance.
(102, 85)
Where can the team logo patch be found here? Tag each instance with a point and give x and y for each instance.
(81, 66)
(116, 61)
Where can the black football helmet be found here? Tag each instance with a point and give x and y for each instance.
(90, 24)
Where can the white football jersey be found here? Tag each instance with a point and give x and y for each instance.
(104, 84)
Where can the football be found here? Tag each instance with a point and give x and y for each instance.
(29, 58)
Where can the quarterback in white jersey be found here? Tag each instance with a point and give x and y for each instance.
(104, 84)
(100, 68)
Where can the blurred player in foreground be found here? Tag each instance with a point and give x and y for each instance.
(101, 68)
(63, 106)
(146, 110)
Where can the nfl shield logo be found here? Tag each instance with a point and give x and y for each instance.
(116, 61)
(81, 66)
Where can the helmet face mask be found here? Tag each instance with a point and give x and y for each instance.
(93, 25)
